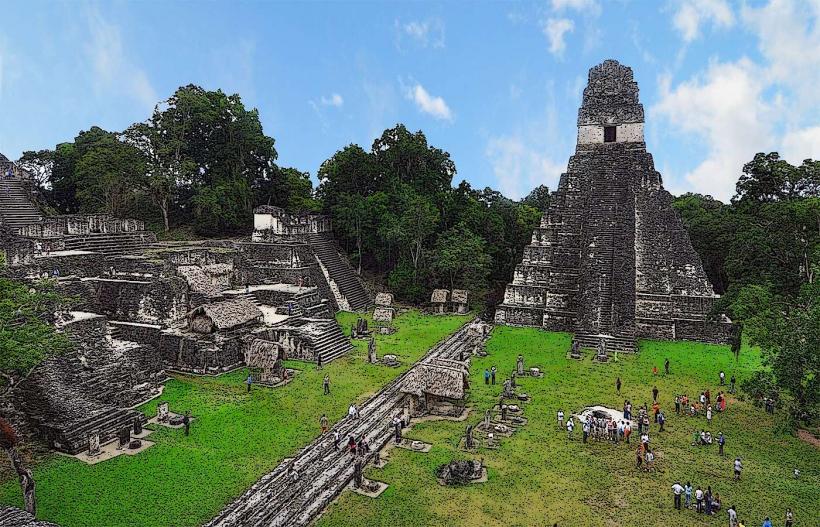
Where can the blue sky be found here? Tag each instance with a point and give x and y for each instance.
(495, 84)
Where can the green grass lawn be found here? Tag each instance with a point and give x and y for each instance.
(537, 477)
(235, 439)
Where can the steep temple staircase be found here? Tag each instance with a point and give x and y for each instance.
(340, 271)
(16, 209)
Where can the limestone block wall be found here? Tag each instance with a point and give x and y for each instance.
(160, 301)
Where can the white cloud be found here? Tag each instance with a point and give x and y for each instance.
(112, 67)
(724, 108)
(334, 99)
(591, 7)
(555, 29)
(435, 106)
(801, 144)
(426, 33)
(692, 14)
(519, 168)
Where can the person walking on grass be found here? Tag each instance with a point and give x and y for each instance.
(789, 518)
(655, 393)
(687, 492)
(732, 382)
(618, 385)
(486, 376)
(738, 468)
(661, 420)
(639, 457)
(186, 422)
(721, 442)
(707, 499)
(709, 415)
(326, 385)
(318, 361)
(560, 419)
(698, 500)
(249, 381)
(654, 371)
(666, 366)
(493, 371)
(570, 428)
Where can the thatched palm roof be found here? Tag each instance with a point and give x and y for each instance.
(229, 313)
(435, 380)
(439, 296)
(459, 296)
(384, 299)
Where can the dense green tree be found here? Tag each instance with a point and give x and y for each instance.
(40, 164)
(539, 198)
(460, 259)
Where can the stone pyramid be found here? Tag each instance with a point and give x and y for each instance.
(611, 261)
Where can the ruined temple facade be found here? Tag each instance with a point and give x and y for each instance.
(611, 260)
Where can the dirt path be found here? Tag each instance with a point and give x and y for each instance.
(277, 500)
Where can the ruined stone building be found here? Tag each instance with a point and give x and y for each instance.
(144, 307)
(611, 260)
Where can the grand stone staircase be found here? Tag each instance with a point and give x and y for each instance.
(16, 209)
(340, 271)
(111, 244)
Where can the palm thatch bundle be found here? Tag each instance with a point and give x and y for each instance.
(435, 379)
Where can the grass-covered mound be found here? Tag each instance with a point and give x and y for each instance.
(537, 477)
(235, 439)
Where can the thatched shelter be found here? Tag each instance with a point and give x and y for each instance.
(222, 316)
(436, 387)
(384, 299)
(439, 300)
(459, 300)
(264, 358)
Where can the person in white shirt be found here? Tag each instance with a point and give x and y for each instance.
(352, 412)
(677, 490)
(698, 500)
(570, 428)
(738, 468)
(732, 516)
(560, 419)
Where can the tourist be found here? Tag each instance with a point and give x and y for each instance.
(732, 384)
(650, 460)
(708, 395)
(687, 491)
(570, 427)
(796, 473)
(656, 409)
(627, 431)
(721, 443)
(661, 420)
(716, 502)
(351, 445)
(336, 440)
(326, 385)
(767, 522)
(639, 457)
(707, 500)
(738, 468)
(732, 516)
(560, 419)
(186, 422)
(654, 371)
(677, 405)
(318, 361)
(486, 376)
(618, 385)
(709, 415)
(722, 402)
(722, 378)
(585, 430)
(249, 381)
(397, 429)
(323, 423)
(698, 500)
(493, 371)
(654, 393)
(666, 366)
(353, 412)
(789, 518)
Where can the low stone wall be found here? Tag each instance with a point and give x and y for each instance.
(212, 354)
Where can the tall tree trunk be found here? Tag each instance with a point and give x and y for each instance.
(164, 206)
(26, 480)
